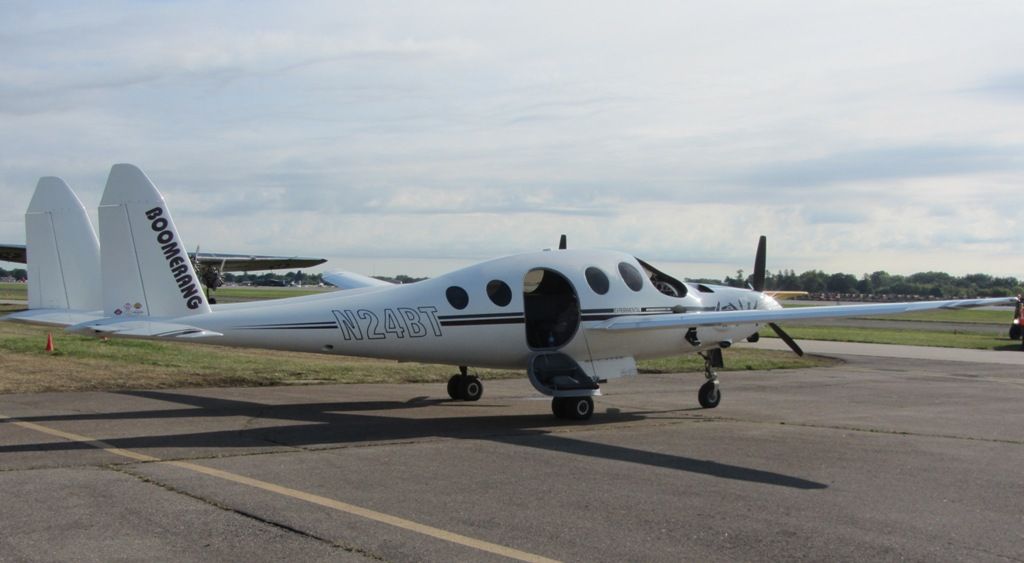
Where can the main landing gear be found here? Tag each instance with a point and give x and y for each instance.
(709, 395)
(465, 387)
(572, 408)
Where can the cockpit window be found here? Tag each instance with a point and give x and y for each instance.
(597, 279)
(631, 276)
(499, 292)
(457, 297)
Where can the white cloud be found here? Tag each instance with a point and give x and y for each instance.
(857, 135)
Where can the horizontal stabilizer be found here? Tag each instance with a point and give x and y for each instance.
(54, 317)
(141, 329)
(718, 318)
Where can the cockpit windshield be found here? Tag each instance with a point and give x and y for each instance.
(664, 282)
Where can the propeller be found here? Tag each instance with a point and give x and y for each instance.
(787, 339)
(757, 284)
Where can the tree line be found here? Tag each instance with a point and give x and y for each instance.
(937, 285)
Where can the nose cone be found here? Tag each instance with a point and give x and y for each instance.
(768, 302)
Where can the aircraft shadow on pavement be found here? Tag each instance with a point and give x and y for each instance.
(332, 424)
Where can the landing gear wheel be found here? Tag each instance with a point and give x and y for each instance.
(470, 388)
(1014, 332)
(558, 407)
(453, 387)
(572, 408)
(709, 396)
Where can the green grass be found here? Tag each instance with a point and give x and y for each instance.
(943, 339)
(976, 316)
(86, 363)
(18, 291)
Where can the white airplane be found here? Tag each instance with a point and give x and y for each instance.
(571, 318)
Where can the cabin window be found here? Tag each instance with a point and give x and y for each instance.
(598, 280)
(631, 276)
(457, 297)
(499, 292)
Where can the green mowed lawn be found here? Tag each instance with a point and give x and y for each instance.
(87, 363)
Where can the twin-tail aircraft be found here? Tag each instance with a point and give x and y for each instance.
(571, 318)
(55, 207)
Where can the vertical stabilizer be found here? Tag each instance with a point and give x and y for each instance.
(146, 269)
(63, 251)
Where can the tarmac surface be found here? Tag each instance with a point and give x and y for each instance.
(878, 458)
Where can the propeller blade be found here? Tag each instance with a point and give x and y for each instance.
(759, 265)
(561, 243)
(787, 339)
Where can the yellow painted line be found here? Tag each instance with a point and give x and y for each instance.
(340, 506)
(99, 444)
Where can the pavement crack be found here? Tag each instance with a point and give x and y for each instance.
(125, 469)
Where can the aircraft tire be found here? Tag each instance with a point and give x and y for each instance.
(709, 395)
(558, 407)
(572, 408)
(471, 388)
(1014, 332)
(453, 387)
(579, 408)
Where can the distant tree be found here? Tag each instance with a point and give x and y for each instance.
(813, 281)
(841, 283)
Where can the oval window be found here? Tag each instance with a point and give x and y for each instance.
(457, 297)
(597, 279)
(499, 292)
(631, 276)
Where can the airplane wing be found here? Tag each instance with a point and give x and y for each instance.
(352, 280)
(250, 263)
(232, 262)
(54, 317)
(13, 253)
(750, 316)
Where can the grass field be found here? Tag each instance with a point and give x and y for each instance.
(17, 291)
(86, 363)
(974, 316)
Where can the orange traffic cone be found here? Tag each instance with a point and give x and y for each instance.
(49, 342)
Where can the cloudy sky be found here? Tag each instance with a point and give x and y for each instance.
(410, 137)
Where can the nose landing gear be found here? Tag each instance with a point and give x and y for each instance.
(709, 395)
(465, 387)
(572, 408)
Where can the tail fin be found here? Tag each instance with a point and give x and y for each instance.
(146, 269)
(63, 251)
